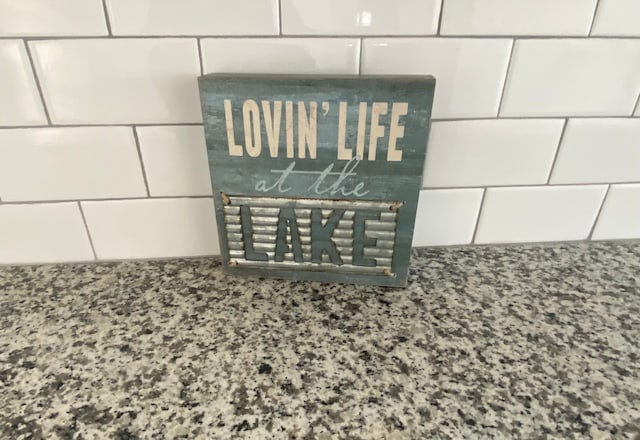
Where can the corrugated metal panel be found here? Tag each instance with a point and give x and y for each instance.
(264, 214)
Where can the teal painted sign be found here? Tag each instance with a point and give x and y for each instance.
(317, 177)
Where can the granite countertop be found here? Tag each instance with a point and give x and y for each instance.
(536, 341)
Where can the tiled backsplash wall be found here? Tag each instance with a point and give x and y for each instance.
(536, 132)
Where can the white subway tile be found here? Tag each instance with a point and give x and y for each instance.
(617, 17)
(277, 55)
(175, 160)
(52, 18)
(19, 99)
(152, 228)
(573, 77)
(119, 81)
(469, 72)
(193, 17)
(620, 215)
(538, 213)
(491, 152)
(43, 233)
(520, 17)
(69, 163)
(599, 150)
(354, 17)
(446, 216)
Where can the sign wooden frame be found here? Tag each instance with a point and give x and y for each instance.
(317, 178)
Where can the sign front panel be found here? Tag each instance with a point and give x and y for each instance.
(317, 178)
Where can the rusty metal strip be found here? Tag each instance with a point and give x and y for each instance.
(292, 265)
(311, 203)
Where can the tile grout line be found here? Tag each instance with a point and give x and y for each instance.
(199, 42)
(126, 260)
(199, 124)
(86, 228)
(360, 59)
(106, 17)
(158, 124)
(529, 243)
(527, 185)
(439, 30)
(595, 221)
(475, 229)
(555, 155)
(593, 17)
(144, 172)
(636, 108)
(427, 188)
(36, 79)
(506, 77)
(325, 36)
(532, 118)
(280, 18)
(120, 199)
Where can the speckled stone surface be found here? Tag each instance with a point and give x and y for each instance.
(485, 342)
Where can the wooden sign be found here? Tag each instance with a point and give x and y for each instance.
(317, 177)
